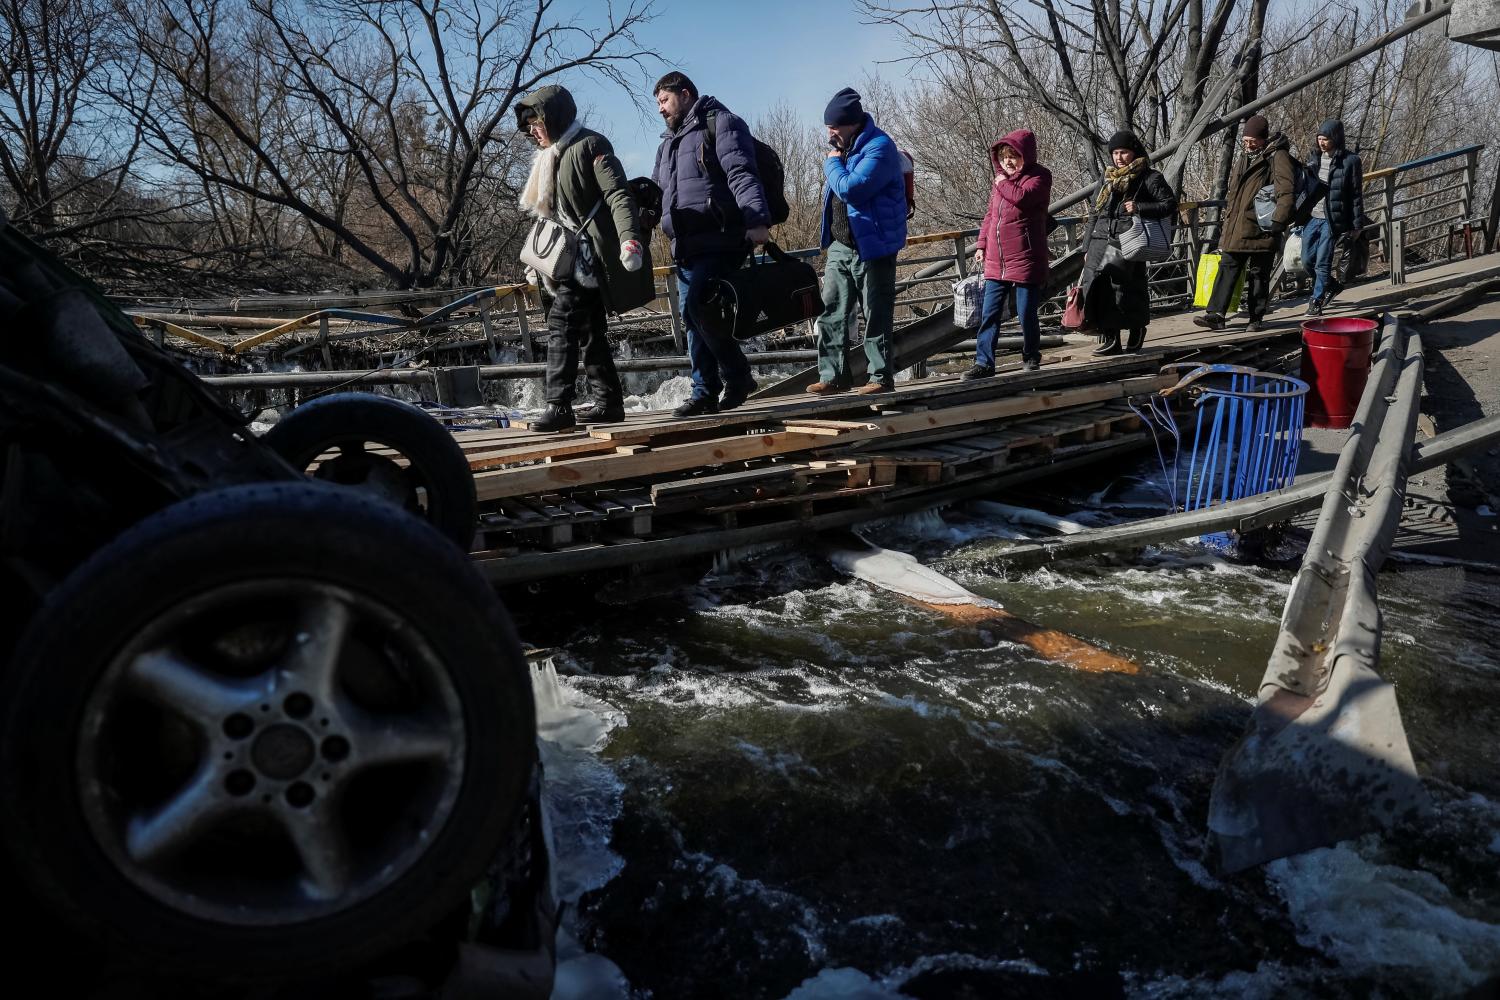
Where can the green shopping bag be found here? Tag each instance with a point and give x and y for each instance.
(1203, 285)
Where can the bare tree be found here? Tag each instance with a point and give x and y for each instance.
(1094, 66)
(59, 148)
(801, 146)
(375, 122)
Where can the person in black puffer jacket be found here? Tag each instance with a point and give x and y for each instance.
(1342, 210)
(1116, 296)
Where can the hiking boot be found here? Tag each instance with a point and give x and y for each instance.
(1314, 307)
(978, 371)
(1209, 321)
(1135, 340)
(1031, 364)
(698, 406)
(735, 395)
(871, 388)
(1255, 326)
(1109, 343)
(600, 413)
(556, 417)
(827, 388)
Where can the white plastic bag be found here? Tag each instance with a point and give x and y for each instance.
(1291, 254)
(968, 301)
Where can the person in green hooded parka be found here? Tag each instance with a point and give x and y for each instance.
(577, 180)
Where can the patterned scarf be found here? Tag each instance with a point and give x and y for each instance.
(1118, 179)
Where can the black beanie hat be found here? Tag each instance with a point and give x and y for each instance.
(844, 109)
(1125, 139)
(1256, 127)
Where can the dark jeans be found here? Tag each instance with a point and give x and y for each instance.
(1028, 298)
(577, 317)
(850, 283)
(717, 360)
(1257, 285)
(1317, 252)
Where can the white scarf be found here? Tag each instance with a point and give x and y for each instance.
(537, 197)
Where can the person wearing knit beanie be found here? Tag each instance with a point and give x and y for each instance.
(1249, 237)
(844, 109)
(1116, 293)
(1125, 139)
(864, 227)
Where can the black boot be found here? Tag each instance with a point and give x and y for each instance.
(1209, 321)
(556, 417)
(600, 412)
(1135, 340)
(1109, 343)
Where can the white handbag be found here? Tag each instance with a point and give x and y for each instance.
(1149, 240)
(551, 249)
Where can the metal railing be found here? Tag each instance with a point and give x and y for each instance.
(1416, 209)
(1420, 204)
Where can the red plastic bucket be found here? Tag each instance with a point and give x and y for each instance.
(1335, 364)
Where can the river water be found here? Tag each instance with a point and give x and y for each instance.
(774, 781)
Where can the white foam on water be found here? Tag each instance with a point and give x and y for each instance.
(902, 573)
(1269, 981)
(843, 984)
(582, 797)
(1384, 921)
(665, 396)
(528, 395)
(1026, 515)
(724, 882)
(588, 976)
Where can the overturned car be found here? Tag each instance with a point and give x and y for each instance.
(256, 726)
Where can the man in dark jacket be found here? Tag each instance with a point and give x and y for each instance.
(864, 227)
(713, 209)
(577, 182)
(1243, 244)
(1340, 211)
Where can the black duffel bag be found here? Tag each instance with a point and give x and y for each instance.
(763, 296)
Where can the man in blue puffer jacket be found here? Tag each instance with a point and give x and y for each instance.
(1342, 210)
(712, 208)
(864, 227)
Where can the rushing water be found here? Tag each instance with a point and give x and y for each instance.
(778, 782)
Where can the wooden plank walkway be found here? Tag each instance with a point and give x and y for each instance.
(658, 488)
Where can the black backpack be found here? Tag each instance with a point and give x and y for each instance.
(647, 195)
(767, 165)
(1307, 190)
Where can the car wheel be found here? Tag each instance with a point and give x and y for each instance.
(269, 732)
(340, 439)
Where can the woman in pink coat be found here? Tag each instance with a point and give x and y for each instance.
(1012, 249)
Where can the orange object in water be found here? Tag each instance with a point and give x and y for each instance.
(1049, 642)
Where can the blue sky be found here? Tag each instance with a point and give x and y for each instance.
(750, 54)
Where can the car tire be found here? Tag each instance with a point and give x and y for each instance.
(350, 423)
(268, 733)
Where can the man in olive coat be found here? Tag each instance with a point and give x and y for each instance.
(577, 181)
(1243, 244)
